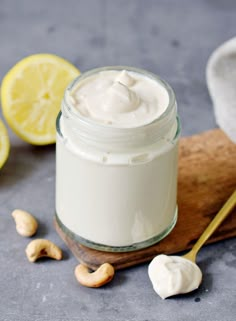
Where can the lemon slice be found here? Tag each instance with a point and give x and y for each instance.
(4, 144)
(31, 95)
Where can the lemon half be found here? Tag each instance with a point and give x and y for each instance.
(4, 144)
(31, 95)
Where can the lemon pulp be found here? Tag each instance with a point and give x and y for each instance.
(31, 95)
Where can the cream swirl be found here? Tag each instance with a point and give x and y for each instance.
(123, 99)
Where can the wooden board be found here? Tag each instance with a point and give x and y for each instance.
(207, 177)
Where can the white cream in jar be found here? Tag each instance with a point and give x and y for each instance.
(116, 167)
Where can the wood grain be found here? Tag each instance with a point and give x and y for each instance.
(207, 177)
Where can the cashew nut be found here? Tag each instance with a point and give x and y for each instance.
(40, 247)
(26, 224)
(101, 276)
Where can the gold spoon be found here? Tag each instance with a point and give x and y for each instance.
(170, 275)
(218, 219)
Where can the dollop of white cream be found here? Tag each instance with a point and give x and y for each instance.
(123, 99)
(119, 99)
(171, 275)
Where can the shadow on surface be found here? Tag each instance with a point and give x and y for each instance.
(42, 231)
(22, 161)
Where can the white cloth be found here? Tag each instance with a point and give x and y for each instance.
(221, 82)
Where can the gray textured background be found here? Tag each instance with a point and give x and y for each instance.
(171, 38)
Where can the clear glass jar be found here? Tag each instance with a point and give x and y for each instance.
(116, 187)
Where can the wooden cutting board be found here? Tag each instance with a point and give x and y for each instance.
(207, 177)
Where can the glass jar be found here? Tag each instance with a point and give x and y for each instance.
(116, 187)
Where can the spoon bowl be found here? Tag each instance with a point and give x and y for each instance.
(172, 275)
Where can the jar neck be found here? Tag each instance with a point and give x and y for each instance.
(100, 136)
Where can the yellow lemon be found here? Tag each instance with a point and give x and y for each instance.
(4, 144)
(31, 95)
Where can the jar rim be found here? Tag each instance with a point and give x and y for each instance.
(97, 125)
(100, 136)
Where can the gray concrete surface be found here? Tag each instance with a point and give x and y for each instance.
(171, 38)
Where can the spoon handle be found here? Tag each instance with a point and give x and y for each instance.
(218, 219)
